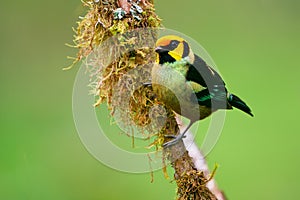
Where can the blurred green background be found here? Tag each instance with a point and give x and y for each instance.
(255, 45)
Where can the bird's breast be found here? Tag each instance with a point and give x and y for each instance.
(173, 90)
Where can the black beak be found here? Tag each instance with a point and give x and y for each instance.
(159, 50)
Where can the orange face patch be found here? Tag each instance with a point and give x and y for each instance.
(165, 40)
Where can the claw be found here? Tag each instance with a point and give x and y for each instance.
(174, 141)
(170, 136)
(178, 137)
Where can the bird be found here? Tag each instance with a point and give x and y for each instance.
(184, 82)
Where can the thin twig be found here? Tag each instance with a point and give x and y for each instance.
(200, 162)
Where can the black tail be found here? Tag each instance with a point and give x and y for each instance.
(238, 103)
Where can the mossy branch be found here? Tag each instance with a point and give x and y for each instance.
(107, 18)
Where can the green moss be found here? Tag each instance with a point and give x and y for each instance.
(118, 27)
(93, 29)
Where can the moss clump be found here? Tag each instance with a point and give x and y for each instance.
(118, 56)
(192, 186)
(99, 24)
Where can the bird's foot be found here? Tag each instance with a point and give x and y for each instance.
(175, 140)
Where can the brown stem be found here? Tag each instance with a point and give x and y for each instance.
(144, 2)
(191, 182)
(199, 162)
(124, 5)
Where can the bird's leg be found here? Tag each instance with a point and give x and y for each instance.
(178, 137)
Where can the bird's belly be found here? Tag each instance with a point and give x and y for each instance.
(172, 89)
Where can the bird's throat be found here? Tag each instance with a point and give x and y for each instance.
(175, 55)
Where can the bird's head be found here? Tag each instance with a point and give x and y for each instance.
(173, 48)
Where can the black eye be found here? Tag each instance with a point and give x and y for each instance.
(174, 44)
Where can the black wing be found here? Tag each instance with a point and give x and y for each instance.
(206, 76)
(216, 98)
(203, 74)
